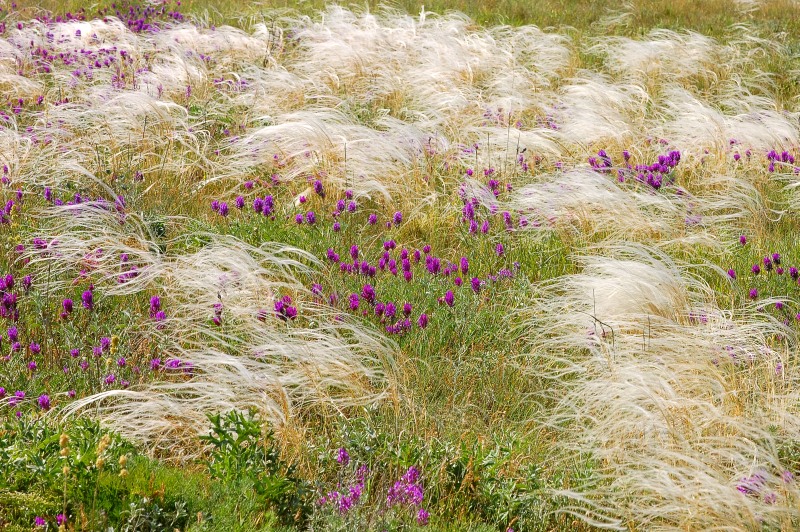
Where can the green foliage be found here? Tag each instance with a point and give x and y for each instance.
(242, 453)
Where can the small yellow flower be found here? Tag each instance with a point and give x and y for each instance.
(123, 473)
(65, 470)
(63, 440)
(123, 460)
(105, 441)
(114, 344)
(100, 462)
(64, 451)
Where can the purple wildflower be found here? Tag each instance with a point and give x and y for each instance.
(342, 456)
(44, 402)
(88, 300)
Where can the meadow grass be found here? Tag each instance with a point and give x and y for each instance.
(302, 266)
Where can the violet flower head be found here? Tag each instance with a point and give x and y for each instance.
(88, 300)
(422, 517)
(44, 402)
(342, 456)
(67, 305)
(476, 284)
(397, 218)
(732, 273)
(449, 298)
(155, 305)
(373, 219)
(368, 292)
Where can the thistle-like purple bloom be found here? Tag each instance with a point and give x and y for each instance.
(373, 219)
(67, 305)
(397, 218)
(476, 284)
(368, 292)
(44, 402)
(342, 456)
(732, 273)
(155, 305)
(756, 269)
(449, 298)
(311, 218)
(88, 300)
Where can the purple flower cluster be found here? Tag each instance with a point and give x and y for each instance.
(408, 492)
(784, 158)
(8, 298)
(656, 174)
(284, 309)
(756, 486)
(343, 499)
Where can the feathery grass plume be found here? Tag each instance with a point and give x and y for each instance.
(662, 54)
(693, 125)
(253, 359)
(677, 402)
(376, 161)
(592, 109)
(591, 203)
